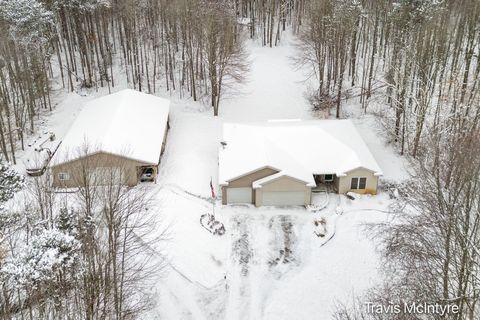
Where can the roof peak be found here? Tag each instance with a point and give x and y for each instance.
(298, 147)
(123, 119)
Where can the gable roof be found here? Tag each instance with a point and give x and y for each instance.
(297, 148)
(260, 182)
(127, 123)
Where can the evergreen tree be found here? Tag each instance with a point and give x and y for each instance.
(10, 182)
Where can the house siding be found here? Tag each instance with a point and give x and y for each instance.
(343, 183)
(283, 184)
(74, 169)
(164, 142)
(128, 167)
(247, 181)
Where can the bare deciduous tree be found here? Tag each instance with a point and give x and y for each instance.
(91, 255)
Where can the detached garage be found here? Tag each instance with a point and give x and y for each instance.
(118, 138)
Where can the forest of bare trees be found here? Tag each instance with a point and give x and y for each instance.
(430, 246)
(195, 47)
(415, 64)
(423, 56)
(90, 254)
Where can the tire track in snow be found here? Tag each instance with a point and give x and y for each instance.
(262, 252)
(277, 239)
(238, 269)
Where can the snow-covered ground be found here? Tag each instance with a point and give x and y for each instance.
(269, 264)
(274, 89)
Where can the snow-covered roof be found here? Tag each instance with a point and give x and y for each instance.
(298, 149)
(260, 182)
(127, 123)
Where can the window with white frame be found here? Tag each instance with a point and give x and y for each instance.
(362, 183)
(358, 183)
(63, 176)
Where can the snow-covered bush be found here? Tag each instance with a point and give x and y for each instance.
(8, 219)
(28, 21)
(49, 253)
(65, 221)
(10, 182)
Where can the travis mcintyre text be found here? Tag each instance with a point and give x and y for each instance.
(412, 308)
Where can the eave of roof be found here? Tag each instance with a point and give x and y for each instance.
(246, 174)
(88, 154)
(260, 182)
(298, 147)
(115, 124)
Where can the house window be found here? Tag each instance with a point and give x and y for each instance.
(358, 183)
(354, 184)
(63, 176)
(328, 177)
(362, 183)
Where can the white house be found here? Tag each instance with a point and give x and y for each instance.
(279, 162)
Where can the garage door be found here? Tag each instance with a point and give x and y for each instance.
(239, 195)
(283, 198)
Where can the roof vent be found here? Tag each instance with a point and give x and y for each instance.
(224, 144)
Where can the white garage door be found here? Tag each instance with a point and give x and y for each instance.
(239, 195)
(283, 198)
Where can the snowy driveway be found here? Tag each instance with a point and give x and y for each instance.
(270, 264)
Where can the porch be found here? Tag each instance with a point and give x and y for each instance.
(325, 183)
(147, 173)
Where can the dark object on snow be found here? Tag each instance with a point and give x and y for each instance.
(349, 196)
(285, 256)
(147, 175)
(320, 227)
(36, 172)
(215, 227)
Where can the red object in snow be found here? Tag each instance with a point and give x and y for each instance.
(211, 188)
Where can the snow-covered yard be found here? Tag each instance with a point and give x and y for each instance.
(269, 264)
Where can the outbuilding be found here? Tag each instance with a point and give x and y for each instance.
(280, 162)
(116, 138)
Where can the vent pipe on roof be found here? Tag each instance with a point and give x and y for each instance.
(224, 144)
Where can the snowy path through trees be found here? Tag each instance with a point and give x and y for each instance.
(274, 89)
